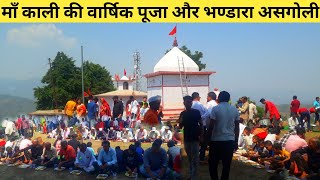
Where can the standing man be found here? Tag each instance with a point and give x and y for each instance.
(294, 106)
(70, 108)
(134, 108)
(211, 103)
(274, 114)
(316, 106)
(92, 112)
(244, 110)
(117, 108)
(224, 131)
(204, 114)
(190, 120)
(252, 112)
(151, 116)
(81, 110)
(144, 101)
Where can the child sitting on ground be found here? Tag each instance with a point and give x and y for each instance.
(281, 157)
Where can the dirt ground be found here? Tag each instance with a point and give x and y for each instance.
(239, 171)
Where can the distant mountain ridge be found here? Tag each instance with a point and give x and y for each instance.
(11, 106)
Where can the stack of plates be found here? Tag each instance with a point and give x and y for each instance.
(23, 166)
(57, 169)
(40, 168)
(102, 176)
(76, 172)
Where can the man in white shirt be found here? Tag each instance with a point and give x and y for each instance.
(153, 134)
(204, 115)
(127, 135)
(134, 108)
(141, 134)
(293, 122)
(252, 112)
(166, 135)
(211, 103)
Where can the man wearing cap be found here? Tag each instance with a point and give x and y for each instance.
(273, 112)
(166, 135)
(127, 135)
(155, 162)
(117, 111)
(154, 134)
(151, 116)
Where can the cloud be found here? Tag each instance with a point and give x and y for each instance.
(39, 36)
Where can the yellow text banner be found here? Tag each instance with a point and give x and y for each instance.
(157, 11)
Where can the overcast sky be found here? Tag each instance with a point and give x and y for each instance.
(274, 61)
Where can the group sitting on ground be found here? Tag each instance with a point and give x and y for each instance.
(153, 162)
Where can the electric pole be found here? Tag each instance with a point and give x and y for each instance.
(54, 100)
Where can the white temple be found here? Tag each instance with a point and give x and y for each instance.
(166, 81)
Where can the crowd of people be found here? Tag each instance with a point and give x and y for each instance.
(220, 127)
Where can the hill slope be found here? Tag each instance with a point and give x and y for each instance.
(11, 106)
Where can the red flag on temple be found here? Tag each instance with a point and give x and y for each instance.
(173, 31)
(125, 72)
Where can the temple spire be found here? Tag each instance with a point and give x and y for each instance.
(175, 42)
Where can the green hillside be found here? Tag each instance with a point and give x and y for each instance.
(11, 106)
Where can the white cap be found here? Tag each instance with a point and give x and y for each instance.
(153, 129)
(154, 98)
(127, 129)
(111, 128)
(100, 129)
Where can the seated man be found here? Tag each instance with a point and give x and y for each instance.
(166, 135)
(297, 141)
(313, 152)
(67, 155)
(85, 159)
(140, 151)
(131, 160)
(154, 134)
(173, 151)
(107, 160)
(48, 157)
(141, 134)
(155, 162)
(127, 135)
(112, 134)
(36, 151)
(119, 153)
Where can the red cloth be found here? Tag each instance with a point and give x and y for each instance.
(295, 104)
(273, 110)
(312, 110)
(121, 125)
(19, 123)
(44, 127)
(302, 110)
(2, 143)
(68, 153)
(100, 125)
(104, 108)
(173, 31)
(177, 164)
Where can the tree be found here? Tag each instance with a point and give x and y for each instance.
(62, 82)
(196, 56)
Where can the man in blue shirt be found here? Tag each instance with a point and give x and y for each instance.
(107, 160)
(92, 112)
(155, 162)
(316, 106)
(85, 159)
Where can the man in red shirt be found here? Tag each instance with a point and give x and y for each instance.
(67, 155)
(304, 114)
(274, 114)
(295, 105)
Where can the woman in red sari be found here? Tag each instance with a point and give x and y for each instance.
(105, 111)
